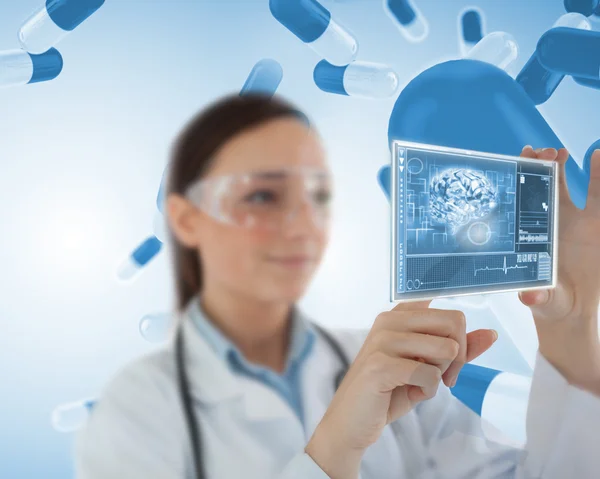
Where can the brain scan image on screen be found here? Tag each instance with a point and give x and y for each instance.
(470, 223)
(460, 195)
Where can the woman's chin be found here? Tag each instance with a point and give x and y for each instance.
(288, 291)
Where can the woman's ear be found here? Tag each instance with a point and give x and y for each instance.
(183, 219)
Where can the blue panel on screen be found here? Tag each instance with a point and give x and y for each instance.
(469, 222)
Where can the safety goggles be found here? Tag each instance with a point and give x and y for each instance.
(264, 200)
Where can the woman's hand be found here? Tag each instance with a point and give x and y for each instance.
(406, 354)
(566, 318)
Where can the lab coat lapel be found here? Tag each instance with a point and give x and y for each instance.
(212, 382)
(209, 378)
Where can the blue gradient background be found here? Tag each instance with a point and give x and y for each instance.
(82, 158)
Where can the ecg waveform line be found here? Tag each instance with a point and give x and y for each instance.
(504, 268)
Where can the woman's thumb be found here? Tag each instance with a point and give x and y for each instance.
(548, 303)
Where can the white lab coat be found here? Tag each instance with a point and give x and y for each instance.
(137, 430)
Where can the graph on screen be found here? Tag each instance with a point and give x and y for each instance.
(469, 222)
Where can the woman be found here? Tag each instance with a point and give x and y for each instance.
(247, 387)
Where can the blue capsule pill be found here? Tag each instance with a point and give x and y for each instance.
(489, 393)
(570, 51)
(473, 105)
(472, 25)
(384, 179)
(585, 7)
(141, 256)
(538, 82)
(71, 416)
(17, 67)
(588, 82)
(472, 384)
(470, 29)
(312, 23)
(55, 19)
(497, 48)
(264, 78)
(146, 251)
(361, 79)
(409, 20)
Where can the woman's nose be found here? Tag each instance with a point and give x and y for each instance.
(303, 219)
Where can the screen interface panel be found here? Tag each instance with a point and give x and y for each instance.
(468, 222)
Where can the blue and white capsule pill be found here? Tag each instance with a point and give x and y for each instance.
(408, 18)
(17, 67)
(497, 48)
(54, 20)
(571, 51)
(585, 7)
(264, 78)
(71, 416)
(139, 258)
(471, 29)
(312, 23)
(537, 81)
(360, 79)
(500, 398)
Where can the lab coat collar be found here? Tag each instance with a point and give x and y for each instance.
(213, 383)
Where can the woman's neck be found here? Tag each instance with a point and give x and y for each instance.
(259, 329)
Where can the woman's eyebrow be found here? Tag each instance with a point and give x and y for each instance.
(272, 174)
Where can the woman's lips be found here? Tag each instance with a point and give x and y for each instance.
(292, 261)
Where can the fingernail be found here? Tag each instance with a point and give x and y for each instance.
(453, 383)
(528, 146)
(495, 334)
(542, 297)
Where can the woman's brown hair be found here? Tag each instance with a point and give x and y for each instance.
(191, 157)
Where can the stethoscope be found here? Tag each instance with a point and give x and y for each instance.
(184, 391)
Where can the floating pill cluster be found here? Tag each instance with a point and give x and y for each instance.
(38, 60)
